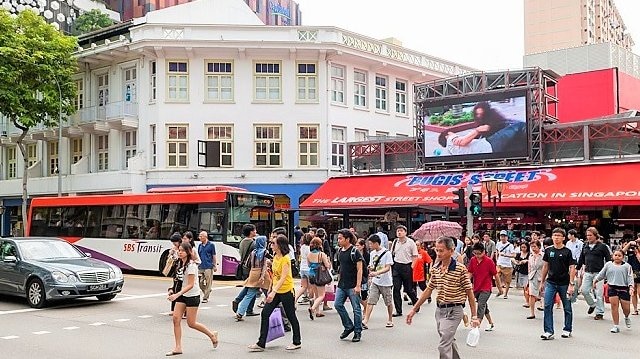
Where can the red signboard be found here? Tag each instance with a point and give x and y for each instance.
(593, 185)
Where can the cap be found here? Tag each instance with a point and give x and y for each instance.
(504, 233)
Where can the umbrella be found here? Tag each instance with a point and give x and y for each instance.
(431, 231)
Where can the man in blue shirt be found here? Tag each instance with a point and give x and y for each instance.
(207, 253)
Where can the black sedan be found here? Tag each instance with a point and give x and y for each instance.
(46, 269)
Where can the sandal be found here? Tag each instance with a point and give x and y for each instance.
(635, 312)
(525, 305)
(255, 348)
(293, 347)
(364, 326)
(214, 340)
(311, 313)
(389, 325)
(172, 353)
(238, 318)
(319, 315)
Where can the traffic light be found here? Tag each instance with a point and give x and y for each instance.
(460, 201)
(476, 204)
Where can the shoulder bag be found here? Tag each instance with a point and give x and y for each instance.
(323, 277)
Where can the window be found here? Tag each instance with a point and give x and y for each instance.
(307, 83)
(76, 150)
(401, 97)
(338, 146)
(268, 82)
(381, 93)
(12, 162)
(308, 143)
(268, 144)
(178, 81)
(361, 135)
(177, 144)
(78, 101)
(32, 154)
(219, 81)
(153, 81)
(359, 89)
(103, 90)
(130, 146)
(130, 83)
(153, 146)
(222, 136)
(382, 134)
(337, 84)
(53, 157)
(103, 152)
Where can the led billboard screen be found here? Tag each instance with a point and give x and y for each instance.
(476, 128)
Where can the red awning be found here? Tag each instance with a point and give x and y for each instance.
(593, 185)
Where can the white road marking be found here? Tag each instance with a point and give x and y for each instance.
(97, 324)
(9, 337)
(126, 295)
(145, 316)
(71, 328)
(41, 332)
(222, 305)
(165, 313)
(122, 320)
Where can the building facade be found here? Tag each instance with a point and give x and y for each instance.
(277, 104)
(561, 24)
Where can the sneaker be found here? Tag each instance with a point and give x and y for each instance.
(346, 333)
(505, 297)
(356, 337)
(615, 329)
(546, 336)
(566, 334)
(205, 301)
(591, 309)
(627, 322)
(489, 328)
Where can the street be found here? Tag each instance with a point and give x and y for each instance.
(136, 325)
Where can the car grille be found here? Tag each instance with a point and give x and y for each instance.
(94, 277)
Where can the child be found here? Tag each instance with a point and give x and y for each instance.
(620, 280)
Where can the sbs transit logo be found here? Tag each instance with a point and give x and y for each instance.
(475, 178)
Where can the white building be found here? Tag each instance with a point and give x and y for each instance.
(277, 105)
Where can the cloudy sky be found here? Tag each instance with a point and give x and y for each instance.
(485, 34)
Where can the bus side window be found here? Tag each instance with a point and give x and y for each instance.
(94, 220)
(39, 222)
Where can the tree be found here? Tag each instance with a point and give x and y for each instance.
(91, 21)
(36, 69)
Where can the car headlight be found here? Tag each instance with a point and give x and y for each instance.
(60, 277)
(115, 273)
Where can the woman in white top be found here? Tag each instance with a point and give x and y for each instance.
(187, 299)
(304, 266)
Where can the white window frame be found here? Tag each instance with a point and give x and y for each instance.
(222, 133)
(78, 101)
(219, 75)
(268, 144)
(102, 81)
(32, 154)
(180, 80)
(338, 93)
(265, 76)
(130, 145)
(382, 134)
(53, 149)
(76, 150)
(180, 143)
(338, 147)
(359, 132)
(306, 82)
(102, 152)
(401, 97)
(382, 93)
(308, 145)
(154, 147)
(360, 78)
(12, 162)
(153, 81)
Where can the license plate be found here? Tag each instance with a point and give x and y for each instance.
(97, 287)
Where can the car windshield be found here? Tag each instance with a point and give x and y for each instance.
(43, 250)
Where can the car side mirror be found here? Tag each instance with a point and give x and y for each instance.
(88, 254)
(10, 259)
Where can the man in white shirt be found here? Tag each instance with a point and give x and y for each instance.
(505, 252)
(575, 245)
(381, 280)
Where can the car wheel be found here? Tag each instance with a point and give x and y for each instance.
(36, 295)
(105, 297)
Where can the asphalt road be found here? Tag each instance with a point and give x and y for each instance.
(136, 325)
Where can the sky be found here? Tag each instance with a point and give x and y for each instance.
(484, 34)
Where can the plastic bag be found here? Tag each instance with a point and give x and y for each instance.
(473, 337)
(276, 326)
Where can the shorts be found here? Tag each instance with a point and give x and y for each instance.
(620, 292)
(376, 290)
(304, 273)
(189, 301)
(506, 272)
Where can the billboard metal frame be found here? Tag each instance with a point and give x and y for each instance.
(541, 89)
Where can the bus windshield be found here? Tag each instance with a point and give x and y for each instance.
(247, 208)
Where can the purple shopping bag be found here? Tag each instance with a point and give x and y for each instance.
(276, 326)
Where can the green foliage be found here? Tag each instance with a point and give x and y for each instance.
(448, 119)
(91, 21)
(34, 59)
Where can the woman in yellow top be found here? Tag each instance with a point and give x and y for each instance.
(281, 292)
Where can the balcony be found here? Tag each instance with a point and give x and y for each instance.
(121, 115)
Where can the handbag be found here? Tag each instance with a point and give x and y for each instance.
(168, 269)
(323, 277)
(276, 326)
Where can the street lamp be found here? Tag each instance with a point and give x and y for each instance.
(59, 137)
(495, 186)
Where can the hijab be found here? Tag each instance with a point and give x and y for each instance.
(260, 247)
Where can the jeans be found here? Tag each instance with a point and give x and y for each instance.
(288, 305)
(248, 299)
(511, 138)
(587, 289)
(341, 297)
(241, 296)
(550, 291)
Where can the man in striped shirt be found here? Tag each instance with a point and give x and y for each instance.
(454, 289)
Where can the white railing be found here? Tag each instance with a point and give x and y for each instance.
(110, 111)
